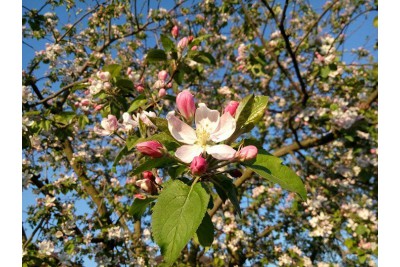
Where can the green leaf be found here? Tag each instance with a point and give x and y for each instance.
(176, 171)
(227, 190)
(375, 22)
(324, 72)
(167, 43)
(139, 101)
(201, 57)
(257, 110)
(139, 207)
(83, 120)
(65, 117)
(162, 124)
(125, 84)
(113, 69)
(156, 55)
(121, 153)
(178, 77)
(244, 109)
(152, 163)
(349, 243)
(205, 232)
(176, 216)
(271, 168)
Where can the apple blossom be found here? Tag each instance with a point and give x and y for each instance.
(175, 31)
(162, 92)
(231, 107)
(151, 148)
(185, 104)
(182, 44)
(198, 165)
(247, 153)
(109, 124)
(210, 128)
(148, 175)
(128, 123)
(162, 75)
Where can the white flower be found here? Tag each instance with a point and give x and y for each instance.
(210, 128)
(46, 247)
(128, 123)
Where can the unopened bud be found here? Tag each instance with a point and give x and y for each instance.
(190, 38)
(139, 196)
(151, 148)
(175, 31)
(85, 102)
(162, 75)
(148, 175)
(232, 107)
(185, 104)
(198, 165)
(247, 153)
(162, 93)
(98, 107)
(194, 48)
(139, 87)
(182, 44)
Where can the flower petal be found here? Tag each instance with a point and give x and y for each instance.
(186, 153)
(206, 119)
(226, 127)
(221, 152)
(180, 130)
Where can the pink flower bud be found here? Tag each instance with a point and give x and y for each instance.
(169, 85)
(194, 48)
(139, 196)
(85, 102)
(190, 38)
(162, 93)
(76, 104)
(162, 75)
(175, 31)
(139, 87)
(185, 104)
(98, 107)
(198, 165)
(151, 148)
(182, 44)
(148, 175)
(247, 153)
(231, 107)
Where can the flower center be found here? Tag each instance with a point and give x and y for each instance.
(202, 136)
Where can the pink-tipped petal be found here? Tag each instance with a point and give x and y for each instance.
(206, 118)
(186, 153)
(221, 152)
(226, 128)
(180, 130)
